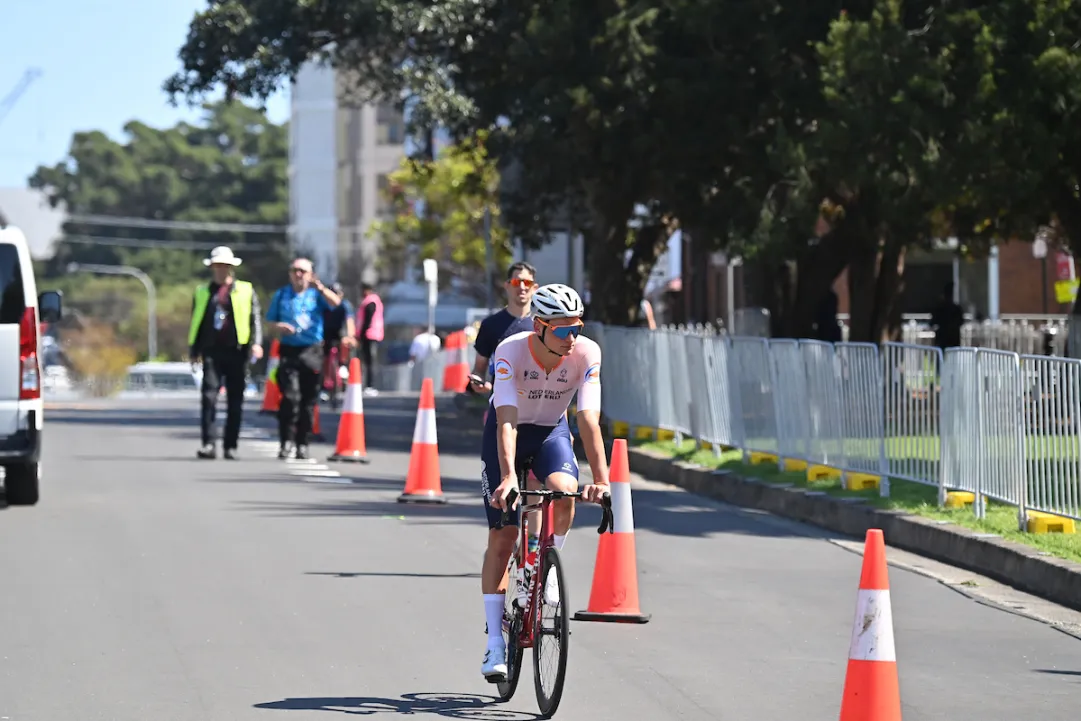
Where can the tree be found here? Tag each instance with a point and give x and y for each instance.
(231, 167)
(561, 88)
(438, 212)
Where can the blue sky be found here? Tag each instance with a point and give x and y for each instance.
(103, 63)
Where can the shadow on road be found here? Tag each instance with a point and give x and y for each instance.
(449, 705)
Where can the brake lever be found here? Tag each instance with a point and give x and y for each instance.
(607, 521)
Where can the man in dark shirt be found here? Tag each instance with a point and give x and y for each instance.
(947, 319)
(514, 318)
(338, 329)
(225, 330)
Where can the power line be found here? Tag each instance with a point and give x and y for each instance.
(211, 227)
(158, 243)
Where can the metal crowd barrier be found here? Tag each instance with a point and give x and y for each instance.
(974, 423)
(409, 376)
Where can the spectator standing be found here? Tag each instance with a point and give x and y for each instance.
(370, 334)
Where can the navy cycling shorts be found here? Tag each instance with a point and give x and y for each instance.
(550, 447)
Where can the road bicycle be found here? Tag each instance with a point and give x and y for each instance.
(527, 627)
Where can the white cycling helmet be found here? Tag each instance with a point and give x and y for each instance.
(557, 301)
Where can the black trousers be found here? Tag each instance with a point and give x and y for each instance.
(367, 356)
(223, 367)
(300, 375)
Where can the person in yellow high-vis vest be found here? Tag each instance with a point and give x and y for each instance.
(226, 329)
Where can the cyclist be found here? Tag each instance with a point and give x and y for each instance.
(537, 373)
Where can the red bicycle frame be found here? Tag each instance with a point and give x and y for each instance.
(531, 613)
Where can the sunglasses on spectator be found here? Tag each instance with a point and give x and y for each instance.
(522, 282)
(563, 332)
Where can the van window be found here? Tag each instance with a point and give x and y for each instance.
(12, 297)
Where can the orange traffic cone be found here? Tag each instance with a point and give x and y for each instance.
(272, 396)
(614, 596)
(422, 481)
(351, 445)
(871, 691)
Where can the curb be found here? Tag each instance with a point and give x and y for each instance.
(1013, 564)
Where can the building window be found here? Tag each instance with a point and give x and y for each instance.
(383, 206)
(389, 126)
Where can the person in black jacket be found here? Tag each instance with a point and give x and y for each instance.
(214, 336)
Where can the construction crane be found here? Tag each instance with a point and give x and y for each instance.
(12, 98)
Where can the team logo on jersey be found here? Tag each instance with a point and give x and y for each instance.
(533, 375)
(593, 373)
(503, 371)
(562, 376)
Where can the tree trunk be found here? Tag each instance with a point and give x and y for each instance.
(874, 284)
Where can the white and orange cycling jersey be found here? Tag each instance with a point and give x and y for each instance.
(542, 398)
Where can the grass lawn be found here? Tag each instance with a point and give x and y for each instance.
(914, 498)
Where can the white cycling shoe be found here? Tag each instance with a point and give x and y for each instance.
(494, 667)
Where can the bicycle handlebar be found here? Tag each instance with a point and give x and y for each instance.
(607, 519)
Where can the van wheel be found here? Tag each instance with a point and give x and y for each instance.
(21, 484)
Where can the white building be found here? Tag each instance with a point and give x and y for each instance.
(339, 159)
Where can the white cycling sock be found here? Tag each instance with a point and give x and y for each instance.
(558, 541)
(493, 612)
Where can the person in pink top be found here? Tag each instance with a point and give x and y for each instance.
(537, 374)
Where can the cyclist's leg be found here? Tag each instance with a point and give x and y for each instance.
(556, 464)
(493, 576)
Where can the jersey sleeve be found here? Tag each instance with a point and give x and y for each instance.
(589, 388)
(505, 389)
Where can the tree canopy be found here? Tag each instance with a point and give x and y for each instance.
(438, 211)
(229, 168)
(810, 137)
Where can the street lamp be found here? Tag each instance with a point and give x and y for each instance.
(151, 297)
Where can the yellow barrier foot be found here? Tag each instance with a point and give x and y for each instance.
(1048, 523)
(620, 429)
(822, 473)
(643, 434)
(862, 481)
(665, 435)
(758, 458)
(794, 464)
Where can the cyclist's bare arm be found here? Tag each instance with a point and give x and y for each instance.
(589, 428)
(506, 420)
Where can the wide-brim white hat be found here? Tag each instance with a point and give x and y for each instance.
(222, 255)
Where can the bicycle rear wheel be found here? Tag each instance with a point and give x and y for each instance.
(512, 629)
(551, 635)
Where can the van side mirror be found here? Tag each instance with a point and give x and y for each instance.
(50, 306)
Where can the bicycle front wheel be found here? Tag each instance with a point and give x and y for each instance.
(512, 631)
(551, 634)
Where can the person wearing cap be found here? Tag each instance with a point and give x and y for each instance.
(295, 314)
(225, 331)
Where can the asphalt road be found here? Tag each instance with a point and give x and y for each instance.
(150, 585)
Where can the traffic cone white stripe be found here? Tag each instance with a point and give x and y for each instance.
(354, 400)
(424, 430)
(622, 512)
(872, 634)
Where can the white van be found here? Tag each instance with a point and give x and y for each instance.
(22, 311)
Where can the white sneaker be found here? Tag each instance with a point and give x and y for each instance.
(494, 667)
(551, 589)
